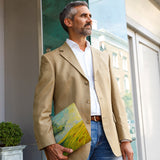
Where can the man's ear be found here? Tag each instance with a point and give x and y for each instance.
(68, 22)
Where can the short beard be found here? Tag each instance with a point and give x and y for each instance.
(86, 31)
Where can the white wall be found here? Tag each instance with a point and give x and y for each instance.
(144, 13)
(2, 61)
(21, 68)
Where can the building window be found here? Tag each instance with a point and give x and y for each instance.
(125, 66)
(118, 82)
(115, 60)
(102, 46)
(126, 83)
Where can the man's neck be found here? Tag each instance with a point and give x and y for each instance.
(80, 41)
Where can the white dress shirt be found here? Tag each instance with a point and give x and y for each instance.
(85, 60)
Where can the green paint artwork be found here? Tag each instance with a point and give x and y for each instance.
(69, 129)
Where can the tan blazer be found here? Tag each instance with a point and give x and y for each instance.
(63, 80)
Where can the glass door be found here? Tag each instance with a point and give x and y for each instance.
(110, 35)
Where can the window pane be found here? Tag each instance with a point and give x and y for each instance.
(110, 35)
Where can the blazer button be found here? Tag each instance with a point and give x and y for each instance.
(88, 121)
(88, 101)
(86, 82)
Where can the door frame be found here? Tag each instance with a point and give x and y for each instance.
(137, 33)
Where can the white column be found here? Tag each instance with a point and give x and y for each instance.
(21, 68)
(2, 93)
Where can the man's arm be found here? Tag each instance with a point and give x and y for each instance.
(43, 104)
(121, 118)
(42, 110)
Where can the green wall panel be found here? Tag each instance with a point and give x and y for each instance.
(53, 33)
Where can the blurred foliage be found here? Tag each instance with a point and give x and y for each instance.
(127, 99)
(129, 105)
(10, 134)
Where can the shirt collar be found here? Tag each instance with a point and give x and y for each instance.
(73, 44)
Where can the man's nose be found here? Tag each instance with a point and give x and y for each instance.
(89, 19)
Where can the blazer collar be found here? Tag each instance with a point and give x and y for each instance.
(66, 52)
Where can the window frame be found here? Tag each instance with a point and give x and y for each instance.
(132, 29)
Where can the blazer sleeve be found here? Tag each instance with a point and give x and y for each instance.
(118, 109)
(42, 107)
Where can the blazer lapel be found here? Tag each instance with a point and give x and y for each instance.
(96, 61)
(66, 52)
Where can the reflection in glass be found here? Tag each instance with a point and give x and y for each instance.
(110, 35)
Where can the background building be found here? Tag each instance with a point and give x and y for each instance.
(118, 50)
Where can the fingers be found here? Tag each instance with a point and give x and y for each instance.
(123, 155)
(126, 150)
(62, 157)
(55, 152)
(130, 155)
(68, 150)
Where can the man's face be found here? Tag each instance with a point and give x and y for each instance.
(82, 23)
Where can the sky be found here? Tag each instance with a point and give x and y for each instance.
(110, 15)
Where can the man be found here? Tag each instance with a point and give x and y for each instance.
(76, 72)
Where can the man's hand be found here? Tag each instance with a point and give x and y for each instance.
(126, 150)
(55, 152)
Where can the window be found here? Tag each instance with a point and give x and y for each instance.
(145, 58)
(126, 83)
(125, 66)
(102, 46)
(115, 40)
(118, 81)
(115, 60)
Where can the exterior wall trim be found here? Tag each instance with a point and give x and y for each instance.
(40, 30)
(2, 63)
(133, 25)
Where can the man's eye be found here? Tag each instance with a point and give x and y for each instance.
(86, 15)
(83, 15)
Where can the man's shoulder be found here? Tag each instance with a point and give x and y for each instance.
(55, 53)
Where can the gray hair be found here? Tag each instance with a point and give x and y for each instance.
(69, 12)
